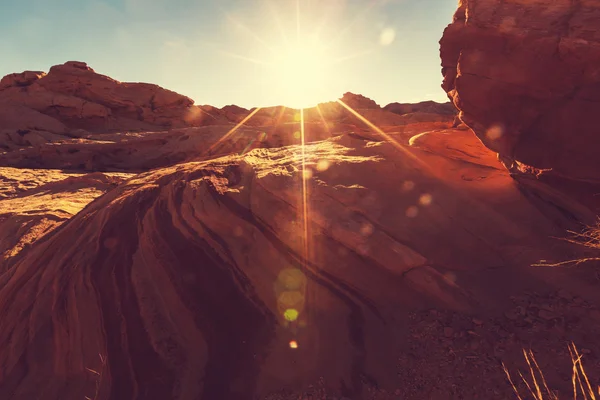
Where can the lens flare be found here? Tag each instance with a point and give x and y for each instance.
(231, 132)
(291, 314)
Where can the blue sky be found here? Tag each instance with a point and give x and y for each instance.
(222, 52)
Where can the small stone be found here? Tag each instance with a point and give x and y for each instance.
(477, 321)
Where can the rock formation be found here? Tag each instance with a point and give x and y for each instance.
(429, 107)
(359, 101)
(72, 96)
(525, 76)
(72, 102)
(202, 281)
(389, 257)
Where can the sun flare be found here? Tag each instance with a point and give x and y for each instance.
(300, 73)
(301, 52)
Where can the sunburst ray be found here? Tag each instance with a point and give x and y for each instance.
(387, 137)
(325, 124)
(297, 21)
(241, 57)
(304, 188)
(278, 23)
(249, 31)
(231, 132)
(344, 31)
(352, 56)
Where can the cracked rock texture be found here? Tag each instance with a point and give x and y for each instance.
(525, 76)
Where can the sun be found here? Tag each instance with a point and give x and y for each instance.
(301, 71)
(300, 49)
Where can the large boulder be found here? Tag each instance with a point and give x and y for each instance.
(525, 76)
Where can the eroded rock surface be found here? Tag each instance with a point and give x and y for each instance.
(35, 202)
(214, 280)
(525, 76)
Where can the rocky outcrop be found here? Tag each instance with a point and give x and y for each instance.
(358, 101)
(73, 96)
(73, 102)
(214, 280)
(525, 76)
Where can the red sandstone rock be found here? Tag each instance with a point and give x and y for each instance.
(72, 100)
(177, 283)
(525, 76)
(75, 96)
(359, 101)
(21, 79)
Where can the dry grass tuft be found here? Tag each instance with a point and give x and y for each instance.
(589, 238)
(579, 379)
(98, 377)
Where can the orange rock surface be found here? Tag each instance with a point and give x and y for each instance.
(191, 281)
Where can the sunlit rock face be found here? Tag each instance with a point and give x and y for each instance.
(359, 101)
(525, 76)
(35, 202)
(72, 96)
(245, 275)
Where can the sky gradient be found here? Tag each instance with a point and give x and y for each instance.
(221, 52)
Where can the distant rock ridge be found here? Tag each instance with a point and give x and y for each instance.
(72, 101)
(73, 96)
